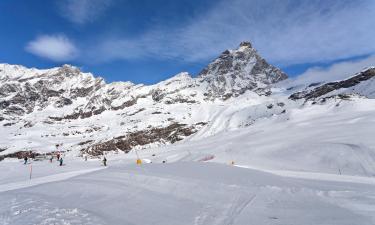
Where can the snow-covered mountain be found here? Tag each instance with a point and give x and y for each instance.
(236, 71)
(42, 108)
(281, 152)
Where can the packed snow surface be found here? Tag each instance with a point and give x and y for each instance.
(183, 193)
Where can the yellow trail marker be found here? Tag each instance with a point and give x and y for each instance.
(139, 161)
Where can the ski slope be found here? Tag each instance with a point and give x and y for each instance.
(187, 193)
(321, 138)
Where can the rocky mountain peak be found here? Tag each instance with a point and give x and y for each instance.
(240, 70)
(246, 44)
(245, 62)
(69, 69)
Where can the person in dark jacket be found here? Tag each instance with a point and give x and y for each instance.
(61, 161)
(105, 161)
(25, 159)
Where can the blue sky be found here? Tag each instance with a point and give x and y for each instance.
(146, 41)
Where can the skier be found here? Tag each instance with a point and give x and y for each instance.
(25, 160)
(61, 161)
(105, 161)
(58, 156)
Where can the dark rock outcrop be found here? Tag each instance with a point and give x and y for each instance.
(172, 133)
(332, 86)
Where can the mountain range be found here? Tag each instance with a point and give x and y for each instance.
(85, 115)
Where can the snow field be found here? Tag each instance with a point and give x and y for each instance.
(188, 193)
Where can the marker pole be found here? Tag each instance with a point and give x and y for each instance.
(31, 170)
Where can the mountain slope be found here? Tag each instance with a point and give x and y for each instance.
(39, 108)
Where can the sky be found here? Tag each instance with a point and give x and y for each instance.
(146, 41)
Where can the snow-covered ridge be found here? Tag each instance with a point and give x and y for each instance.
(362, 83)
(13, 72)
(19, 72)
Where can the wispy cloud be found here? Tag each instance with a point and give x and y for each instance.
(83, 11)
(285, 32)
(54, 47)
(337, 71)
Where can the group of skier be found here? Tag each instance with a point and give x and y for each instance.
(59, 157)
(60, 160)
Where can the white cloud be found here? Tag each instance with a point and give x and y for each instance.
(53, 47)
(285, 32)
(83, 11)
(338, 71)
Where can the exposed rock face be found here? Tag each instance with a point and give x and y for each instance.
(19, 155)
(170, 134)
(335, 86)
(236, 71)
(23, 93)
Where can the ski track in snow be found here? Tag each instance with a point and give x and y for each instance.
(45, 179)
(317, 176)
(236, 209)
